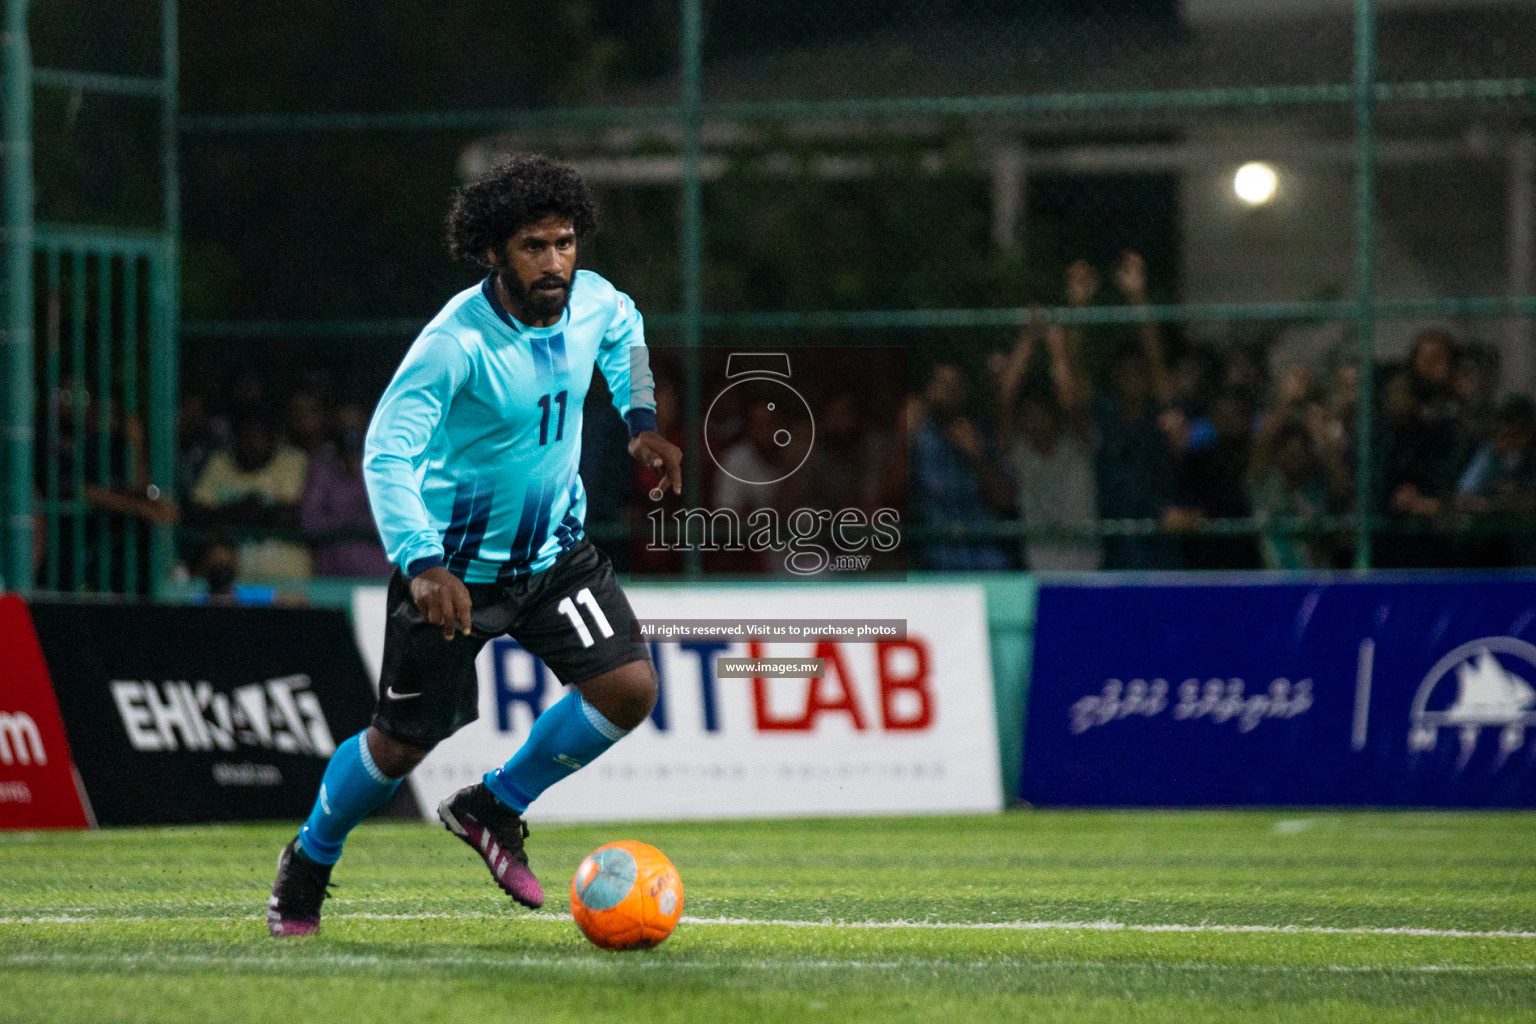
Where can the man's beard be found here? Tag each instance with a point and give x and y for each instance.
(536, 303)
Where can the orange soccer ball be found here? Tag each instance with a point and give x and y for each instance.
(626, 895)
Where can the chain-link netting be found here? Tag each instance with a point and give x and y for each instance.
(1181, 284)
(99, 318)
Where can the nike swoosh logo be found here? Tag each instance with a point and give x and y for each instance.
(389, 691)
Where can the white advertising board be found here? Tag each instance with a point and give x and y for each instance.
(894, 727)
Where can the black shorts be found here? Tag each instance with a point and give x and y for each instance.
(428, 689)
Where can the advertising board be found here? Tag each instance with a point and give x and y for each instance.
(891, 726)
(189, 714)
(39, 787)
(1403, 692)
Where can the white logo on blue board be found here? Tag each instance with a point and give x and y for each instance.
(1487, 694)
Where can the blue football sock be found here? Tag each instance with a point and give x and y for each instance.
(566, 737)
(353, 788)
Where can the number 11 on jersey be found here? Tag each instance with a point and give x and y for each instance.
(544, 404)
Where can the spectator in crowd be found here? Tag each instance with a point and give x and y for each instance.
(198, 436)
(304, 422)
(1499, 487)
(845, 466)
(106, 451)
(1476, 385)
(254, 489)
(1243, 375)
(1399, 472)
(1049, 439)
(334, 513)
(725, 420)
(1089, 344)
(1433, 365)
(1341, 407)
(954, 476)
(216, 561)
(1442, 441)
(1290, 488)
(1501, 476)
(1423, 449)
(748, 466)
(846, 469)
(128, 489)
(1191, 375)
(1091, 422)
(247, 395)
(1296, 475)
(1096, 347)
(750, 478)
(1134, 466)
(1212, 481)
(1126, 371)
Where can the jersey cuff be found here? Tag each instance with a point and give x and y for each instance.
(422, 564)
(640, 420)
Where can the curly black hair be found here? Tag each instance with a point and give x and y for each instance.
(515, 192)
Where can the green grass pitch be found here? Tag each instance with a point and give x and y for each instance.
(1040, 916)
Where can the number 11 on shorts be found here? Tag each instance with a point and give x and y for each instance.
(567, 608)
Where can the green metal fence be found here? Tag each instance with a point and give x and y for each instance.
(833, 103)
(90, 405)
(108, 358)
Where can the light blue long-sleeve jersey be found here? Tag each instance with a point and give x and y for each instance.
(472, 454)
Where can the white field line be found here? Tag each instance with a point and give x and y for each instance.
(598, 962)
(1121, 926)
(1004, 926)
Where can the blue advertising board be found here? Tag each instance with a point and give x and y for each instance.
(1411, 693)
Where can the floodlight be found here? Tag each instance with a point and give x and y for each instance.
(1255, 183)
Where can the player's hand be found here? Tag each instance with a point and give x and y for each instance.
(651, 449)
(443, 600)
